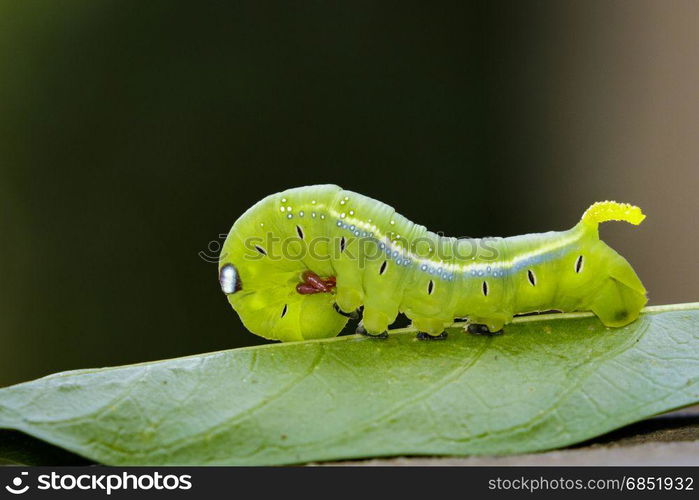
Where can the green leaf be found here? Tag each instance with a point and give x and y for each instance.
(550, 381)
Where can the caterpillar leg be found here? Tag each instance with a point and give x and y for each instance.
(430, 326)
(427, 336)
(617, 304)
(382, 335)
(362, 331)
(481, 329)
(352, 315)
(349, 295)
(375, 320)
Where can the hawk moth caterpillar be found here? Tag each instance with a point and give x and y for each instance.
(297, 263)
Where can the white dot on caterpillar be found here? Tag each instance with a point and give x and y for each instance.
(343, 202)
(289, 216)
(282, 209)
(393, 222)
(322, 216)
(301, 213)
(288, 209)
(283, 200)
(351, 212)
(343, 215)
(262, 224)
(313, 214)
(313, 202)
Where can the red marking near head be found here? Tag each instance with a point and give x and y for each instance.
(312, 283)
(305, 289)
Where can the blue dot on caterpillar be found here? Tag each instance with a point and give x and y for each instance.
(299, 263)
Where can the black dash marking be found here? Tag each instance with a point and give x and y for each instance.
(579, 264)
(485, 288)
(261, 250)
(342, 244)
(430, 287)
(532, 278)
(286, 308)
(299, 231)
(383, 267)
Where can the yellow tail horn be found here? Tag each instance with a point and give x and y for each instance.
(603, 211)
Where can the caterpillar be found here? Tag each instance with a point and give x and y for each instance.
(298, 263)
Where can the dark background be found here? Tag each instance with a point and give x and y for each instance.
(133, 133)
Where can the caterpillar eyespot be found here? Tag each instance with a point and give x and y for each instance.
(229, 279)
(432, 278)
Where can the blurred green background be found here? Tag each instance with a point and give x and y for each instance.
(133, 133)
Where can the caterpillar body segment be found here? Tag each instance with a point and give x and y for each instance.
(297, 260)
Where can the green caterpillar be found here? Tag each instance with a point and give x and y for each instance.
(297, 263)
